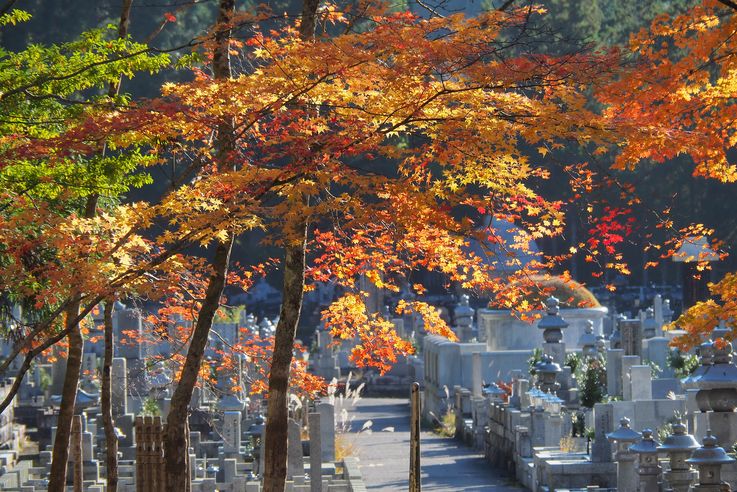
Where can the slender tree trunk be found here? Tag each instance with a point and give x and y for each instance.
(275, 447)
(275, 452)
(111, 440)
(175, 441)
(60, 453)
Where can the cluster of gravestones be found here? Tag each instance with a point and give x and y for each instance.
(225, 430)
(538, 432)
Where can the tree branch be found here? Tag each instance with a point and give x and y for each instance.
(506, 5)
(729, 3)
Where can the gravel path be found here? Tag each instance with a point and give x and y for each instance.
(384, 454)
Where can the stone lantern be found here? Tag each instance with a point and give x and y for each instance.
(624, 437)
(709, 459)
(494, 392)
(720, 381)
(588, 340)
(706, 358)
(552, 323)
(679, 446)
(649, 469)
(650, 327)
(534, 396)
(553, 404)
(463, 316)
(547, 371)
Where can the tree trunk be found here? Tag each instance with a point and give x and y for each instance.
(275, 447)
(275, 453)
(175, 441)
(60, 453)
(111, 440)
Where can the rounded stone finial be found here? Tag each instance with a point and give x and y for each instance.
(624, 422)
(710, 440)
(647, 433)
(678, 428)
(553, 305)
(464, 300)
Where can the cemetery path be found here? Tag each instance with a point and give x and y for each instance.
(384, 453)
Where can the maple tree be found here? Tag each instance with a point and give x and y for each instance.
(40, 91)
(310, 119)
(677, 100)
(307, 145)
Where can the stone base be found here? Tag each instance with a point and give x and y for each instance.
(723, 426)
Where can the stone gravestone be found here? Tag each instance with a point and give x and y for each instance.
(295, 459)
(658, 313)
(231, 432)
(463, 315)
(641, 385)
(315, 452)
(229, 470)
(631, 332)
(519, 389)
(627, 362)
(476, 379)
(128, 320)
(601, 450)
(614, 371)
(119, 386)
(327, 429)
(657, 352)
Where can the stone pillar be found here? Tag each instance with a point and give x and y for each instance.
(519, 389)
(231, 432)
(631, 332)
(76, 444)
(553, 430)
(476, 379)
(658, 314)
(601, 450)
(627, 362)
(315, 453)
(327, 428)
(614, 372)
(538, 427)
(295, 460)
(229, 470)
(641, 385)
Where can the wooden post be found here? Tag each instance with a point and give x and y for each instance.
(140, 449)
(78, 477)
(415, 484)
